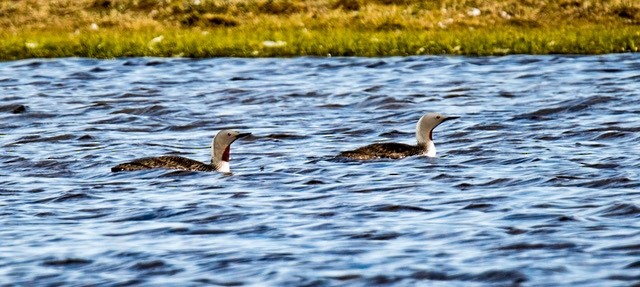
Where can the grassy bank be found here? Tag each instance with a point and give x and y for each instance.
(265, 28)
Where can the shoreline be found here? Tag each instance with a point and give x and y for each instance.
(114, 29)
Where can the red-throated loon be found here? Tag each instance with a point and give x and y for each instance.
(424, 134)
(220, 147)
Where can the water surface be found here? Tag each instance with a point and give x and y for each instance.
(536, 184)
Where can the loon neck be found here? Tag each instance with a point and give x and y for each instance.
(428, 148)
(220, 157)
(222, 166)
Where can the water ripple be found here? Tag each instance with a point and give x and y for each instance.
(536, 183)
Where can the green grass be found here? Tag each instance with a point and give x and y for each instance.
(238, 42)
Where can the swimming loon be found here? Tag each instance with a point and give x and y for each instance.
(220, 147)
(424, 134)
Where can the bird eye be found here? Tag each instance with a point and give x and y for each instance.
(437, 117)
(229, 134)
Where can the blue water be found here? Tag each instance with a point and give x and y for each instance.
(537, 184)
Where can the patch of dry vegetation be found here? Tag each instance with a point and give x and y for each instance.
(310, 27)
(136, 14)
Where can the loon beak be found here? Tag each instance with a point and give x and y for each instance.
(449, 118)
(239, 136)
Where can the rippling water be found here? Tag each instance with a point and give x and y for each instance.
(536, 184)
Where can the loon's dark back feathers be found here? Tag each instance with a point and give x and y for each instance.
(167, 162)
(383, 150)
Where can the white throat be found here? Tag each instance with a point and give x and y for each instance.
(424, 140)
(431, 149)
(223, 166)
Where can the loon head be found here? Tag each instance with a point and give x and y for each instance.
(221, 146)
(424, 130)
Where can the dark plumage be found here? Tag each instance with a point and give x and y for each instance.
(167, 162)
(220, 149)
(383, 150)
(424, 136)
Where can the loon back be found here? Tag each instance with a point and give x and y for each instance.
(383, 150)
(424, 136)
(220, 148)
(166, 162)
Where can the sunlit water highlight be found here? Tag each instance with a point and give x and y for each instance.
(536, 184)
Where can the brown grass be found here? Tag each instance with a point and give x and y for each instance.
(377, 14)
(317, 20)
